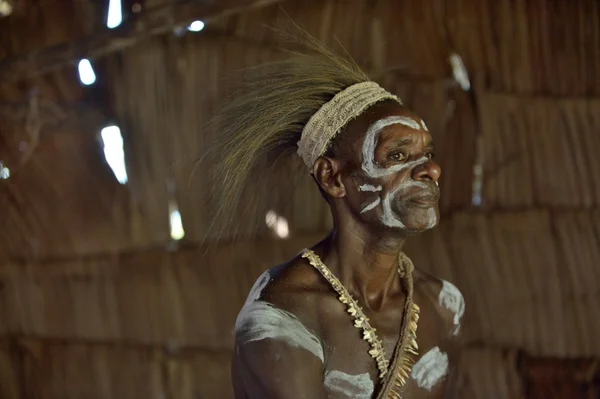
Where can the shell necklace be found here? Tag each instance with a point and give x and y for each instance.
(408, 335)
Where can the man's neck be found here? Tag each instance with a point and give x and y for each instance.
(365, 263)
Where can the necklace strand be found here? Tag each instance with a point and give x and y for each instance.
(408, 344)
(360, 320)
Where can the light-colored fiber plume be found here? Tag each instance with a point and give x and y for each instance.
(253, 158)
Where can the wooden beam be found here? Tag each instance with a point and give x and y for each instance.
(151, 23)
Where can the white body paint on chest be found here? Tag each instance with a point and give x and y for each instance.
(430, 369)
(452, 299)
(260, 320)
(349, 386)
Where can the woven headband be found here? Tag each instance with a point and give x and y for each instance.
(334, 115)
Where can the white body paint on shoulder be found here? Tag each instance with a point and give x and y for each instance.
(260, 320)
(258, 286)
(430, 369)
(451, 298)
(349, 386)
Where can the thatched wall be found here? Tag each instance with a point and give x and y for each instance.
(93, 304)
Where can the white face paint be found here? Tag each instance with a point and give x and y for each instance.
(389, 218)
(370, 206)
(260, 320)
(370, 144)
(368, 187)
(349, 386)
(451, 299)
(424, 125)
(432, 217)
(430, 369)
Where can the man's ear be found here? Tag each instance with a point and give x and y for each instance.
(326, 172)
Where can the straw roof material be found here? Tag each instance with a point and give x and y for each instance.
(525, 282)
(149, 297)
(539, 302)
(540, 151)
(90, 294)
(490, 374)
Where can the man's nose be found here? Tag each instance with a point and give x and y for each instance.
(427, 171)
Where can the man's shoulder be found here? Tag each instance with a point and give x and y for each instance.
(294, 286)
(444, 299)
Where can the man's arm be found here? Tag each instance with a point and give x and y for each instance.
(277, 355)
(454, 348)
(273, 368)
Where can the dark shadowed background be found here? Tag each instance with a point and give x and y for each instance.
(102, 297)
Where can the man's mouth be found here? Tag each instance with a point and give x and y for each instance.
(425, 200)
(427, 197)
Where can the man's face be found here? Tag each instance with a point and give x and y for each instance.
(391, 179)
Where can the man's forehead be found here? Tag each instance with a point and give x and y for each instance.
(387, 109)
(358, 129)
(405, 130)
(403, 126)
(395, 114)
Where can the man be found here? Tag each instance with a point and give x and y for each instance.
(349, 318)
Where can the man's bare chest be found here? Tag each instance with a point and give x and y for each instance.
(351, 372)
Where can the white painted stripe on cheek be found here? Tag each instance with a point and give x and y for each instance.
(388, 217)
(430, 369)
(349, 386)
(371, 206)
(261, 320)
(369, 187)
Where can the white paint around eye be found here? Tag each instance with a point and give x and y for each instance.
(430, 369)
(424, 125)
(369, 187)
(371, 138)
(406, 121)
(389, 218)
(260, 320)
(451, 298)
(349, 386)
(372, 205)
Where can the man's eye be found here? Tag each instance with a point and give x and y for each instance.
(430, 155)
(397, 156)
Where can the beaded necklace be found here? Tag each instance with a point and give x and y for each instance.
(407, 344)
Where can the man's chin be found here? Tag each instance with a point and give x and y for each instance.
(420, 222)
